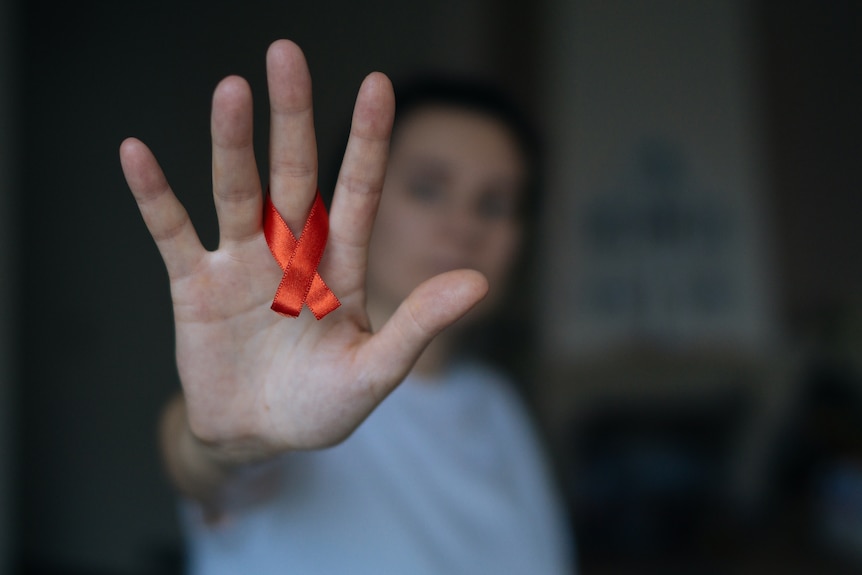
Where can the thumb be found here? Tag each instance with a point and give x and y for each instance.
(434, 305)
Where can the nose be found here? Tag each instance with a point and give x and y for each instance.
(462, 224)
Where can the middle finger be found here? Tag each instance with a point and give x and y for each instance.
(292, 147)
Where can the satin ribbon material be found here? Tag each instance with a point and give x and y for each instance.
(299, 259)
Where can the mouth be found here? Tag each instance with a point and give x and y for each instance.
(444, 265)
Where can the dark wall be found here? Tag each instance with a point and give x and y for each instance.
(811, 79)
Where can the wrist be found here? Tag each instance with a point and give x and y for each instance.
(194, 467)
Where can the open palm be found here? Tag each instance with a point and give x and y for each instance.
(256, 383)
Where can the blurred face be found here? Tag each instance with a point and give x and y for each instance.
(451, 200)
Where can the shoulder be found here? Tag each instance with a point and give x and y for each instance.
(490, 380)
(483, 377)
(497, 391)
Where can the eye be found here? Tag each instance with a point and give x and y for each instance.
(425, 190)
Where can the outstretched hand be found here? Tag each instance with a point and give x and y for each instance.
(257, 383)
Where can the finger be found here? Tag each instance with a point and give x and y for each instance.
(292, 146)
(164, 215)
(357, 192)
(436, 304)
(236, 183)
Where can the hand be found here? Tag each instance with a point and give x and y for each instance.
(256, 383)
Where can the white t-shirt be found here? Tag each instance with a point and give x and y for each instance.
(445, 477)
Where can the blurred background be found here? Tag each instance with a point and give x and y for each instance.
(699, 287)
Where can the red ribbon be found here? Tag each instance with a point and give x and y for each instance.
(299, 259)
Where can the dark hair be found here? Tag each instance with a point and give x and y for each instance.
(483, 98)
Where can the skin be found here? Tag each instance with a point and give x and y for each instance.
(451, 201)
(254, 383)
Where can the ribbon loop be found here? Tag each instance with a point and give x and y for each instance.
(299, 258)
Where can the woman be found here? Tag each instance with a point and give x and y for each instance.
(445, 476)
